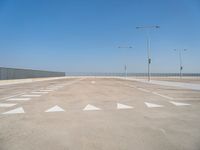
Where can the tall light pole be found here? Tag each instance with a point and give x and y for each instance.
(125, 66)
(180, 60)
(125, 70)
(148, 47)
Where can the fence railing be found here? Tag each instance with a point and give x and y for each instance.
(133, 74)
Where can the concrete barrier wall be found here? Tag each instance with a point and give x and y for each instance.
(13, 73)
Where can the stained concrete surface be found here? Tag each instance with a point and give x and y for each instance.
(168, 128)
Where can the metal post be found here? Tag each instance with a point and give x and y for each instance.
(149, 59)
(125, 69)
(180, 62)
(181, 67)
(125, 66)
(148, 49)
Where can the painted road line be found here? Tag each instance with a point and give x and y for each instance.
(93, 82)
(179, 104)
(122, 106)
(151, 105)
(46, 90)
(59, 86)
(55, 109)
(31, 95)
(7, 105)
(19, 99)
(12, 96)
(70, 83)
(132, 86)
(90, 107)
(144, 90)
(18, 110)
(50, 88)
(187, 98)
(127, 85)
(55, 87)
(164, 96)
(62, 85)
(39, 92)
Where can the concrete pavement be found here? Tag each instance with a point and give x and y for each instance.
(98, 113)
(184, 85)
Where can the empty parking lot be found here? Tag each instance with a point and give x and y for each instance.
(98, 113)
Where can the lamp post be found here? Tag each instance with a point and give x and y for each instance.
(180, 60)
(125, 66)
(125, 70)
(148, 47)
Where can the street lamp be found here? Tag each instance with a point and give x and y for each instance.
(180, 60)
(125, 66)
(148, 46)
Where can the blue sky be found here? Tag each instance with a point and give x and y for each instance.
(83, 35)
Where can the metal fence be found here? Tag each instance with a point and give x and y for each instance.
(13, 73)
(133, 74)
(186, 77)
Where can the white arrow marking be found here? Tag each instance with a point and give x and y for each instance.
(55, 109)
(18, 110)
(122, 106)
(179, 104)
(31, 95)
(6, 105)
(151, 105)
(19, 99)
(91, 107)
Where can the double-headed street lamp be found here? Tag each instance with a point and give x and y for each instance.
(125, 66)
(148, 46)
(180, 60)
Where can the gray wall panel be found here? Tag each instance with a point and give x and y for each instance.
(14, 73)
